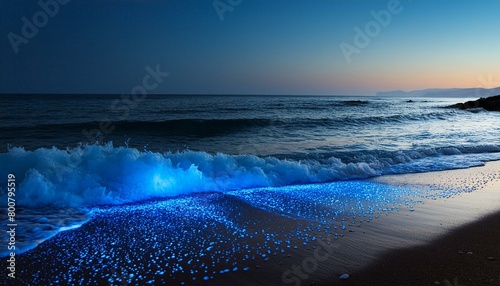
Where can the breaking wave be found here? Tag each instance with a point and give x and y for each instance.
(103, 174)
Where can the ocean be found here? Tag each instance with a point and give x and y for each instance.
(377, 135)
(79, 159)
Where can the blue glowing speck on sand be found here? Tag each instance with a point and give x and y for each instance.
(169, 239)
(93, 175)
(106, 214)
(209, 235)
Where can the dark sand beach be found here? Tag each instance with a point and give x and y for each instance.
(448, 238)
(249, 143)
(468, 255)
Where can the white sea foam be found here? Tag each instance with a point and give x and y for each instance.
(96, 175)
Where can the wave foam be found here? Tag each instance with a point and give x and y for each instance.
(96, 175)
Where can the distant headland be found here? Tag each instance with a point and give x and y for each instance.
(442, 92)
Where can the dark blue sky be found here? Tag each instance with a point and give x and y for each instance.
(260, 47)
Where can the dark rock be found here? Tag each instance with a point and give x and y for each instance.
(355, 102)
(490, 103)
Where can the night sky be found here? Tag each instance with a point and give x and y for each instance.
(248, 47)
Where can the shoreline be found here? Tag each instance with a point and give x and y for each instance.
(461, 236)
(360, 250)
(468, 255)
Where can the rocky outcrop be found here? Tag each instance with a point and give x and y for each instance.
(490, 103)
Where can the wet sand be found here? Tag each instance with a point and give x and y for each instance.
(416, 244)
(461, 237)
(468, 255)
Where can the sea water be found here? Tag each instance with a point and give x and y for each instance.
(77, 155)
(94, 149)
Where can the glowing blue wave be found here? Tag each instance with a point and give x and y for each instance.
(96, 175)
